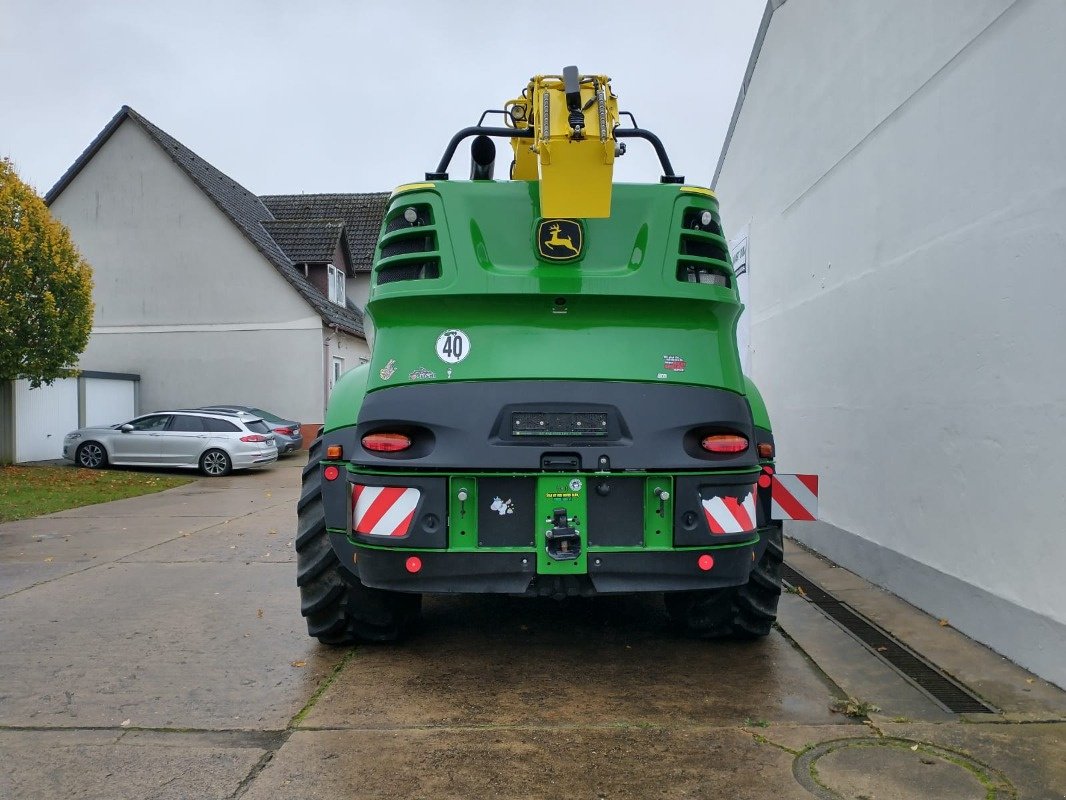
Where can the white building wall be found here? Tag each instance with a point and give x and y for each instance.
(182, 297)
(902, 171)
(349, 351)
(188, 366)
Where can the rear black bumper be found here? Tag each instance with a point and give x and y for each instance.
(469, 425)
(515, 572)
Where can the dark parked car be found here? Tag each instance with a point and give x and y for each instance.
(286, 431)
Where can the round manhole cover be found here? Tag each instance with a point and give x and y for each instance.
(887, 768)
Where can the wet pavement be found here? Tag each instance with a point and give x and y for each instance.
(153, 648)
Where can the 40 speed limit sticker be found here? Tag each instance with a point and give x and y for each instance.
(453, 346)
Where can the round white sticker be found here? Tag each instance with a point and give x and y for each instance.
(453, 346)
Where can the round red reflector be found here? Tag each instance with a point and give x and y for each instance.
(331, 473)
(386, 442)
(724, 443)
(768, 470)
(705, 562)
(764, 481)
(414, 564)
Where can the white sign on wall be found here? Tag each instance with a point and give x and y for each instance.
(740, 253)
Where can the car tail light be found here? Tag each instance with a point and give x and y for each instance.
(254, 437)
(386, 442)
(724, 443)
(766, 450)
(286, 431)
(334, 451)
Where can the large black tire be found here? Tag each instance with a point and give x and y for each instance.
(338, 608)
(737, 612)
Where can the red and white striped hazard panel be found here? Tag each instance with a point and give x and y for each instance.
(730, 514)
(794, 497)
(383, 510)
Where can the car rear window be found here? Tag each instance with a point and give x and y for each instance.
(219, 425)
(258, 426)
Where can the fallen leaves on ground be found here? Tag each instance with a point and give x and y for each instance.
(299, 663)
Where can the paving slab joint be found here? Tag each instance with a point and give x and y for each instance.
(310, 704)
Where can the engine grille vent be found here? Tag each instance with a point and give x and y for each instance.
(408, 247)
(703, 250)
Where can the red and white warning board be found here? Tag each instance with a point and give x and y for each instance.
(383, 510)
(794, 497)
(730, 514)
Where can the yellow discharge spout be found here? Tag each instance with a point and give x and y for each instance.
(573, 147)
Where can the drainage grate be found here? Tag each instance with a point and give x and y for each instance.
(950, 694)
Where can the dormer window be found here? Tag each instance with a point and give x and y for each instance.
(336, 285)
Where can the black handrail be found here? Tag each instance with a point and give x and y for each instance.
(656, 142)
(441, 173)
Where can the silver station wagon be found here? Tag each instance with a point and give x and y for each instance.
(214, 442)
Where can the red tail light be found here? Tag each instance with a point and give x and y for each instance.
(386, 442)
(286, 431)
(724, 443)
(254, 437)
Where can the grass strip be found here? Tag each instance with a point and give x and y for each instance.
(29, 491)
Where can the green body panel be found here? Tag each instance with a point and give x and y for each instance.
(623, 307)
(347, 398)
(559, 490)
(758, 407)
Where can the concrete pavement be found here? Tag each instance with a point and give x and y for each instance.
(153, 647)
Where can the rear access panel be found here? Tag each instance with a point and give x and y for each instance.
(615, 511)
(505, 512)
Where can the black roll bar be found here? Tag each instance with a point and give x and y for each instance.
(441, 173)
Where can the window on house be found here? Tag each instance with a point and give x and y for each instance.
(338, 370)
(336, 285)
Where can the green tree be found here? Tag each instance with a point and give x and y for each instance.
(46, 306)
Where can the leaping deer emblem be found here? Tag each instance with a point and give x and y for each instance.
(555, 240)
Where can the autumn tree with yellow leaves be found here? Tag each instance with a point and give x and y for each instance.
(46, 306)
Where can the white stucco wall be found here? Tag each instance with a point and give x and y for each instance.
(182, 298)
(278, 370)
(902, 171)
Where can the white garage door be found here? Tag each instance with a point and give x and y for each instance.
(108, 401)
(44, 416)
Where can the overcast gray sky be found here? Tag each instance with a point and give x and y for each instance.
(339, 96)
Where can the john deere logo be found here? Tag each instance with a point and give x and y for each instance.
(559, 239)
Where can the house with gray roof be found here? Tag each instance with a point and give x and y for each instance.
(207, 291)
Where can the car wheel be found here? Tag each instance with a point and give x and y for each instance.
(215, 463)
(91, 455)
